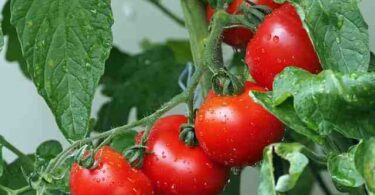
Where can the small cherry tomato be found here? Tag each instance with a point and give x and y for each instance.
(112, 176)
(234, 130)
(280, 41)
(175, 168)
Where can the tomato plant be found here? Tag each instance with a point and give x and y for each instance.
(298, 104)
(235, 130)
(189, 170)
(111, 175)
(280, 41)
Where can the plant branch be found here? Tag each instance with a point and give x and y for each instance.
(318, 159)
(189, 98)
(213, 52)
(16, 151)
(15, 192)
(167, 12)
(182, 97)
(197, 25)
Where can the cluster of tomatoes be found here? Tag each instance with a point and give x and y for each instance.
(232, 131)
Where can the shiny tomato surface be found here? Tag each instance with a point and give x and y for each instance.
(175, 168)
(234, 130)
(112, 176)
(280, 41)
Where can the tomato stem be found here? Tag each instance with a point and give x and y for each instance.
(197, 25)
(180, 98)
(318, 159)
(167, 12)
(16, 151)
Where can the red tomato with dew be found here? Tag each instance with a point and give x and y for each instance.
(234, 130)
(279, 42)
(175, 168)
(112, 176)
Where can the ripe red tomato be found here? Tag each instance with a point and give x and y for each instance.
(175, 168)
(238, 37)
(280, 41)
(234, 130)
(112, 176)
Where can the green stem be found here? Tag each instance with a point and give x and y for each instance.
(189, 98)
(182, 97)
(318, 159)
(16, 151)
(190, 92)
(15, 192)
(116, 131)
(213, 52)
(167, 12)
(197, 25)
(23, 189)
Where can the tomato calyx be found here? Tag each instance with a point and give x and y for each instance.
(226, 83)
(85, 157)
(254, 13)
(135, 155)
(187, 135)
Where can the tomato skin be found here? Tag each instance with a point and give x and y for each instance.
(234, 130)
(175, 168)
(238, 37)
(280, 41)
(112, 176)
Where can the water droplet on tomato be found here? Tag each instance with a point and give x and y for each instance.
(276, 39)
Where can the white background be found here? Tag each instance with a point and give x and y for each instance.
(25, 119)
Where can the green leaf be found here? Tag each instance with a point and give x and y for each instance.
(59, 178)
(305, 184)
(49, 150)
(144, 81)
(338, 32)
(65, 44)
(292, 152)
(298, 162)
(124, 141)
(13, 176)
(181, 49)
(13, 51)
(286, 113)
(365, 162)
(267, 177)
(330, 101)
(343, 171)
(233, 187)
